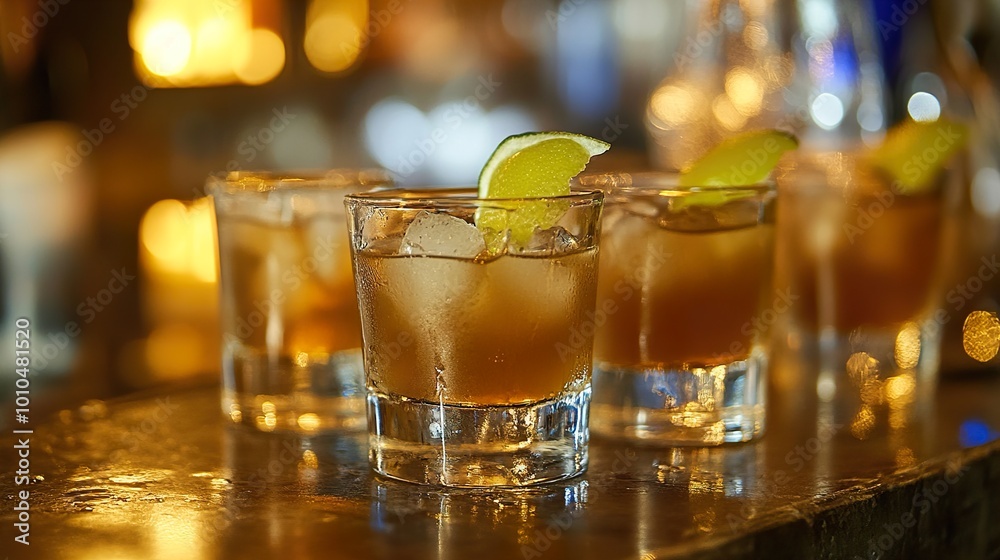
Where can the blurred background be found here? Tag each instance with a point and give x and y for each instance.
(113, 112)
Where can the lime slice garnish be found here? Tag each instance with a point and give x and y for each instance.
(914, 152)
(739, 161)
(532, 165)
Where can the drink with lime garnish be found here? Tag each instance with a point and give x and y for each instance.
(467, 303)
(866, 243)
(685, 287)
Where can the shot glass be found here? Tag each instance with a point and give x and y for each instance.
(867, 260)
(291, 358)
(684, 308)
(474, 376)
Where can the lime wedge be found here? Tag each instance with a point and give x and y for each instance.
(745, 159)
(532, 165)
(742, 160)
(914, 152)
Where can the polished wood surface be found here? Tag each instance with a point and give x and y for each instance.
(166, 476)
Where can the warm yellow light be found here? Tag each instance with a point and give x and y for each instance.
(745, 91)
(308, 422)
(202, 264)
(166, 48)
(333, 42)
(267, 422)
(218, 42)
(301, 359)
(174, 351)
(162, 234)
(335, 33)
(180, 239)
(262, 59)
(981, 335)
(726, 113)
(861, 367)
(905, 457)
(674, 105)
(755, 35)
(899, 389)
(908, 346)
(863, 423)
(185, 43)
(309, 458)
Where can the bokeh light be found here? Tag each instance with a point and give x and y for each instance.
(189, 43)
(981, 335)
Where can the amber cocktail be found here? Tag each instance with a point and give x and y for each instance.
(291, 329)
(474, 377)
(865, 258)
(684, 302)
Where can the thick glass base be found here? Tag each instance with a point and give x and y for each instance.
(487, 446)
(316, 396)
(697, 406)
(877, 379)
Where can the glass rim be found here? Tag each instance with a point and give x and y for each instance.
(260, 182)
(407, 197)
(664, 183)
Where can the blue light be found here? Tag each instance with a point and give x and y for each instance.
(975, 432)
(587, 61)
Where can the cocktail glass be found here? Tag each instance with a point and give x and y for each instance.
(291, 330)
(475, 375)
(684, 309)
(866, 260)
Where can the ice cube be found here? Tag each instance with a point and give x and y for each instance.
(432, 297)
(382, 223)
(544, 289)
(547, 242)
(441, 235)
(624, 242)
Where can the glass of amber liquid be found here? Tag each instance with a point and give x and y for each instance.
(291, 358)
(866, 261)
(683, 311)
(473, 375)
